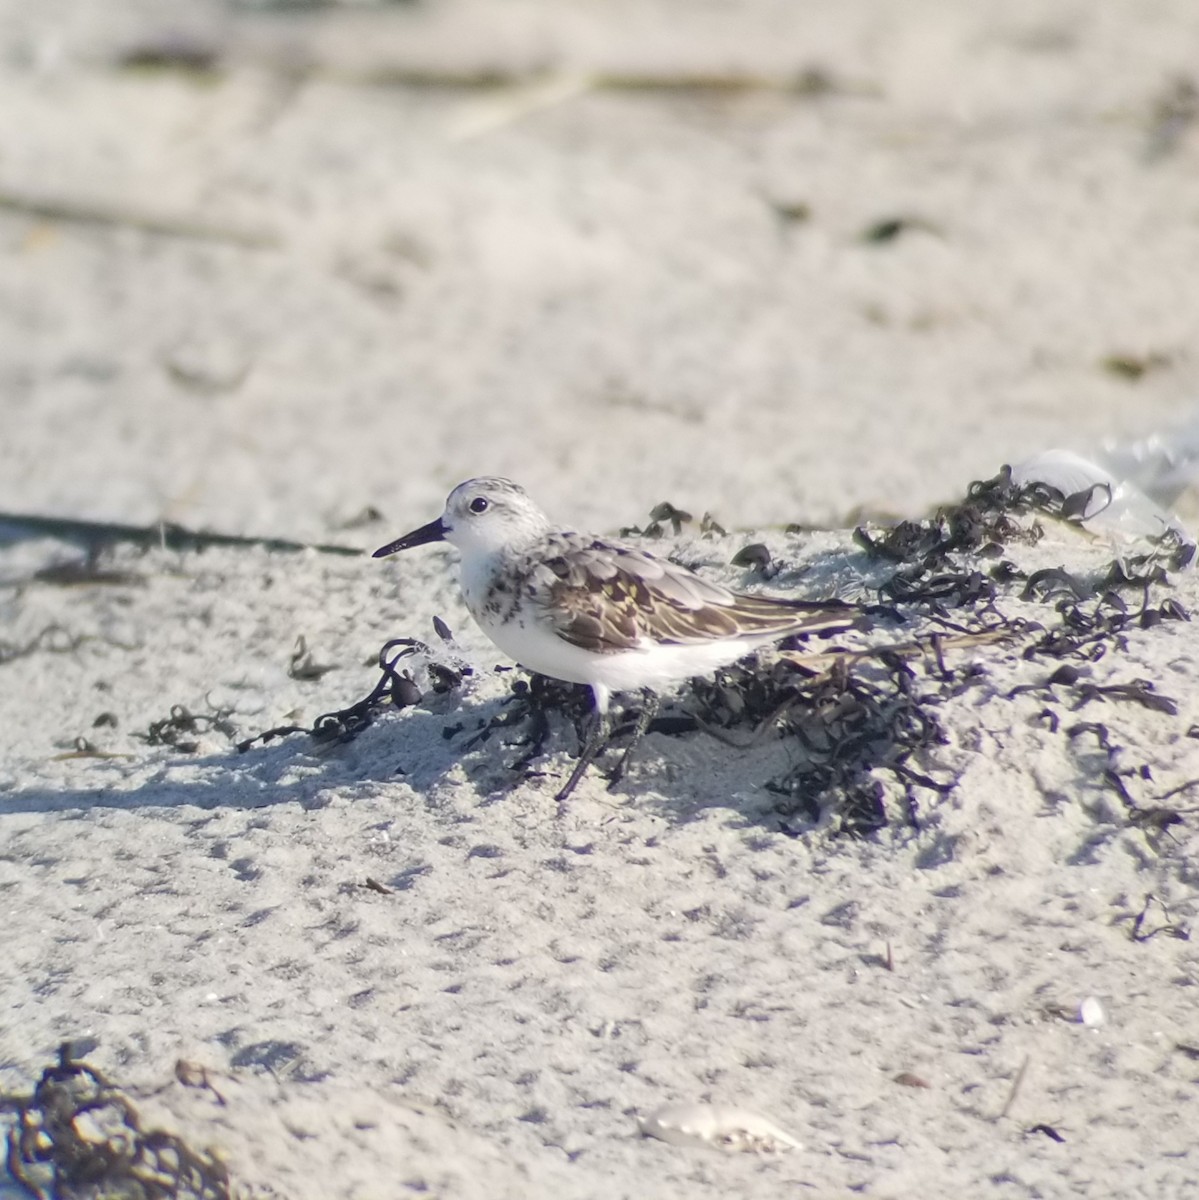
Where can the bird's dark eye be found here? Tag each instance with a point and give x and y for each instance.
(478, 504)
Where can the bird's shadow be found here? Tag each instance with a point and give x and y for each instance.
(416, 746)
(528, 738)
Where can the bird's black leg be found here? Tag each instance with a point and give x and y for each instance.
(596, 741)
(650, 703)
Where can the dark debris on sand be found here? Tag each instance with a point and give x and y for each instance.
(396, 688)
(847, 723)
(80, 1137)
(861, 718)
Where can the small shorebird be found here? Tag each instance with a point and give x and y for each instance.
(594, 610)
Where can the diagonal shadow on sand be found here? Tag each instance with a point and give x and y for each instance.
(408, 747)
(421, 749)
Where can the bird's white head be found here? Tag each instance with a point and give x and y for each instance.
(482, 517)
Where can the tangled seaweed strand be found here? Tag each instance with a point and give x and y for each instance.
(395, 688)
(54, 639)
(929, 571)
(534, 701)
(79, 1137)
(175, 730)
(846, 727)
(854, 723)
(937, 566)
(980, 526)
(530, 704)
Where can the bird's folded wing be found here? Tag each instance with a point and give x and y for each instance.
(606, 599)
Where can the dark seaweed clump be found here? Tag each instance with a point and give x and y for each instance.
(395, 688)
(940, 562)
(939, 575)
(875, 716)
(80, 1137)
(864, 725)
(850, 725)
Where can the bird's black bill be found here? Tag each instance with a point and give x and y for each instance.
(433, 532)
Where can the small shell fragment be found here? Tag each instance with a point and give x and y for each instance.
(717, 1125)
(1090, 1013)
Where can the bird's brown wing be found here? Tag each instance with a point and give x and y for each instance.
(607, 598)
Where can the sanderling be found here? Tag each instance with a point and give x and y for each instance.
(594, 610)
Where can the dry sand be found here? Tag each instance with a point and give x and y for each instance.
(323, 278)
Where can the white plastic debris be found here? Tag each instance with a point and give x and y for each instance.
(1163, 465)
(717, 1125)
(1090, 1013)
(1109, 504)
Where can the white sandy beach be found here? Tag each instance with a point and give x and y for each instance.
(338, 272)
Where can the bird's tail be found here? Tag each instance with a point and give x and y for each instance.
(758, 615)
